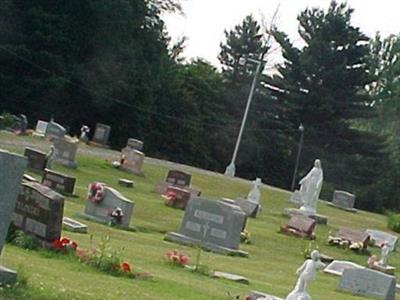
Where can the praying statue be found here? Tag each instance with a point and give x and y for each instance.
(255, 194)
(306, 274)
(310, 188)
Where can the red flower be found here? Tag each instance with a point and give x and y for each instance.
(57, 245)
(73, 245)
(125, 267)
(65, 241)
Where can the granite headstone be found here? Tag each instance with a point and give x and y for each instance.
(11, 171)
(37, 160)
(59, 182)
(214, 225)
(135, 144)
(301, 226)
(343, 200)
(65, 152)
(54, 130)
(133, 160)
(101, 134)
(41, 127)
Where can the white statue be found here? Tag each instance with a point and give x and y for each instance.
(385, 250)
(255, 194)
(310, 188)
(306, 274)
(50, 157)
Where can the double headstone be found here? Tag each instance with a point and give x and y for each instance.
(370, 283)
(11, 171)
(59, 182)
(39, 211)
(37, 160)
(55, 130)
(178, 179)
(65, 152)
(102, 210)
(343, 200)
(101, 135)
(213, 225)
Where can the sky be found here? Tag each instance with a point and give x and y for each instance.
(204, 21)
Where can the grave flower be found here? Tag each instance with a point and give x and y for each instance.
(177, 258)
(96, 192)
(65, 245)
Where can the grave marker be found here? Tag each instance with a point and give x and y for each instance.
(132, 160)
(353, 236)
(37, 160)
(39, 211)
(380, 236)
(54, 130)
(300, 226)
(370, 283)
(11, 171)
(65, 152)
(343, 200)
(178, 179)
(101, 135)
(59, 182)
(135, 144)
(41, 127)
(176, 197)
(214, 225)
(338, 266)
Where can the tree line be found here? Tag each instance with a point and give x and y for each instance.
(83, 62)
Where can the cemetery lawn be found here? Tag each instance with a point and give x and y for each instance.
(270, 267)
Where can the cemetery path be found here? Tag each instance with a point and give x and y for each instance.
(9, 140)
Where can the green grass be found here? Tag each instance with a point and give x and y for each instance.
(273, 257)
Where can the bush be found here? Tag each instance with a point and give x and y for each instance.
(394, 222)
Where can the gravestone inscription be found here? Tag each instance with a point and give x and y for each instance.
(11, 171)
(39, 211)
(214, 225)
(368, 283)
(59, 182)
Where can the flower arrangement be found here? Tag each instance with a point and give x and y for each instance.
(64, 245)
(245, 236)
(96, 192)
(116, 216)
(177, 258)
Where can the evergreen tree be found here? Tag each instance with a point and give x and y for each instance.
(322, 86)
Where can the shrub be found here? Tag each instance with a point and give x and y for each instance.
(394, 222)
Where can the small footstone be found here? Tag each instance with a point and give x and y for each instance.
(125, 182)
(7, 276)
(73, 225)
(229, 276)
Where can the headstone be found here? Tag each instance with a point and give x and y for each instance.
(353, 236)
(102, 211)
(39, 211)
(380, 236)
(133, 160)
(230, 276)
(101, 134)
(178, 179)
(338, 266)
(41, 127)
(74, 225)
(37, 160)
(176, 197)
(65, 152)
(254, 295)
(343, 200)
(55, 130)
(296, 198)
(11, 171)
(213, 225)
(370, 283)
(320, 219)
(125, 182)
(135, 144)
(300, 226)
(59, 182)
(250, 208)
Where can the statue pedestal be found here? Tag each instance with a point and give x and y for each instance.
(320, 219)
(384, 269)
(7, 276)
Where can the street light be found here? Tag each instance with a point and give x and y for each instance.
(230, 169)
(301, 129)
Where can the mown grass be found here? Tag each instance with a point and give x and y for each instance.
(273, 257)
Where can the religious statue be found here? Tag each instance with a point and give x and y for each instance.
(84, 133)
(255, 194)
(50, 157)
(306, 274)
(310, 188)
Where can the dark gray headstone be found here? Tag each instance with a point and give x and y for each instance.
(368, 283)
(55, 130)
(112, 199)
(59, 182)
(39, 211)
(179, 178)
(101, 134)
(343, 200)
(37, 160)
(11, 171)
(214, 225)
(65, 152)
